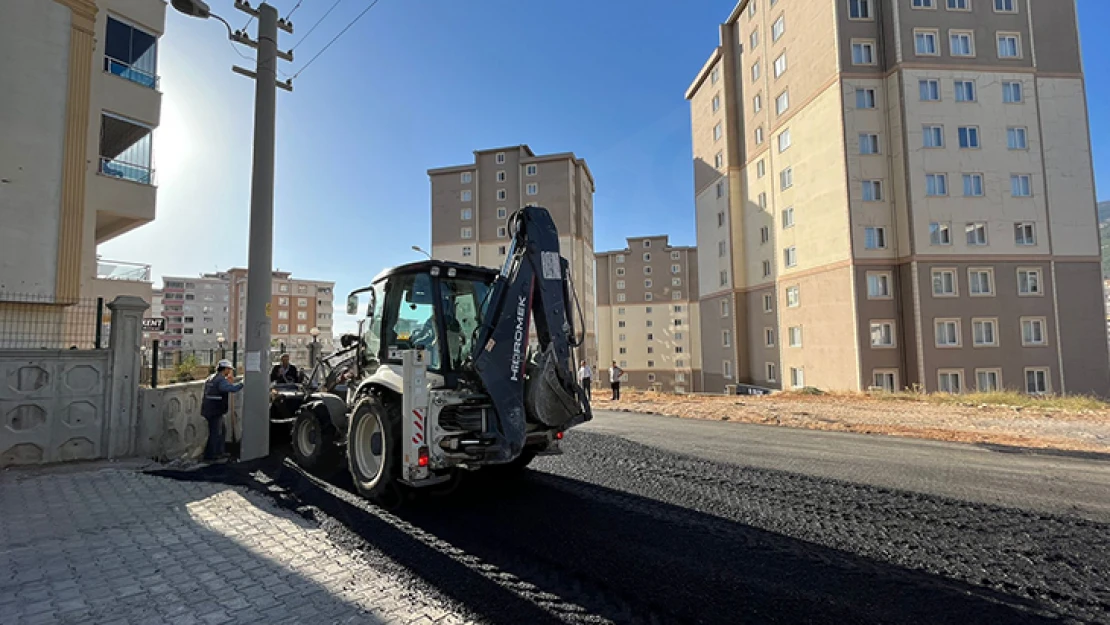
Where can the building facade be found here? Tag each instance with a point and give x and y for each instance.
(297, 307)
(81, 100)
(648, 317)
(471, 205)
(197, 312)
(914, 209)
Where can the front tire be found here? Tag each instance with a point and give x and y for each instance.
(314, 437)
(374, 450)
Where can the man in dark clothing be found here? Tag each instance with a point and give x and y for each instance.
(284, 373)
(214, 406)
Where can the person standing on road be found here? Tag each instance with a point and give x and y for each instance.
(586, 378)
(214, 406)
(615, 374)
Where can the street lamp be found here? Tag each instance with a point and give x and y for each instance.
(417, 248)
(221, 340)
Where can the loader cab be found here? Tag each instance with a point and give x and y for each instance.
(433, 305)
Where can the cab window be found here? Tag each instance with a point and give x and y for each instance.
(413, 324)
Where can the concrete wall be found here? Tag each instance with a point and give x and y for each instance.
(170, 423)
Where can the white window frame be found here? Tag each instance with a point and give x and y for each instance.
(976, 323)
(757, 103)
(879, 279)
(466, 177)
(466, 214)
(466, 233)
(790, 257)
(941, 272)
(465, 196)
(971, 179)
(500, 158)
(973, 136)
(1000, 6)
(784, 140)
(1008, 91)
(870, 141)
(866, 99)
(788, 218)
(926, 88)
(533, 188)
(780, 65)
(793, 297)
(936, 185)
(502, 176)
(1017, 138)
(768, 303)
(995, 383)
(926, 36)
(950, 375)
(761, 168)
(957, 34)
(1034, 322)
(1045, 372)
(880, 377)
(782, 102)
(940, 233)
(861, 11)
(947, 323)
(1023, 184)
(971, 232)
(531, 169)
(876, 234)
(770, 369)
(1030, 271)
(886, 330)
(863, 52)
(794, 336)
(786, 178)
(972, 96)
(797, 377)
(1016, 37)
(768, 337)
(1025, 233)
(778, 28)
(759, 135)
(872, 190)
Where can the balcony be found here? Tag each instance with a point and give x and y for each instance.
(120, 270)
(122, 192)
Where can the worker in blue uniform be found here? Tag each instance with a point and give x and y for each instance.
(214, 406)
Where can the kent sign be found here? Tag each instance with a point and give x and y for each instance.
(154, 324)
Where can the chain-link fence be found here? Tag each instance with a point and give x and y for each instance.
(30, 321)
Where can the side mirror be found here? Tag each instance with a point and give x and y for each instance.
(352, 304)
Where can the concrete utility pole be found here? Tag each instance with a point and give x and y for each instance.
(256, 390)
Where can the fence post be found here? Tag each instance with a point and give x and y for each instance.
(99, 321)
(156, 364)
(235, 355)
(125, 336)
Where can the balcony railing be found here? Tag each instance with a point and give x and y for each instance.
(129, 72)
(119, 270)
(126, 171)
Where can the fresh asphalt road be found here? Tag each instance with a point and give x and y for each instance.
(1077, 484)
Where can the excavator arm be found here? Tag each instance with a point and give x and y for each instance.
(534, 285)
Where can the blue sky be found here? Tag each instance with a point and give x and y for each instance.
(417, 84)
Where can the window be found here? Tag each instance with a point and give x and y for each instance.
(724, 278)
(715, 75)
(467, 233)
(720, 189)
(976, 233)
(759, 135)
(751, 8)
(925, 42)
(676, 295)
(766, 268)
(753, 39)
(716, 103)
(865, 98)
(501, 176)
(717, 132)
(530, 170)
(771, 373)
(988, 380)
(874, 238)
(790, 256)
(936, 184)
(501, 194)
(778, 28)
(788, 218)
(466, 177)
(1009, 46)
(620, 284)
(792, 296)
(1005, 6)
(760, 168)
(726, 366)
(863, 53)
(761, 199)
(1025, 233)
(882, 334)
(620, 271)
(720, 219)
(950, 381)
(768, 303)
(650, 364)
(878, 285)
(797, 377)
(1012, 92)
(782, 103)
(1036, 381)
(961, 43)
(768, 337)
(502, 250)
(724, 308)
(283, 301)
(284, 314)
(755, 71)
(533, 188)
(780, 65)
(1033, 332)
(948, 332)
(500, 158)
(302, 302)
(859, 9)
(969, 137)
(676, 256)
(1021, 185)
(757, 103)
(872, 190)
(620, 297)
(282, 328)
(502, 232)
(984, 332)
(940, 234)
(794, 336)
(647, 258)
(1016, 139)
(719, 160)
(726, 338)
(647, 283)
(973, 185)
(923, 4)
(125, 149)
(721, 249)
(929, 90)
(944, 283)
(932, 136)
(466, 214)
(959, 5)
(502, 212)
(130, 53)
(965, 91)
(1029, 282)
(784, 140)
(868, 143)
(980, 281)
(786, 178)
(885, 380)
(764, 234)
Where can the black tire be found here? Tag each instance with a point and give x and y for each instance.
(313, 441)
(512, 469)
(374, 450)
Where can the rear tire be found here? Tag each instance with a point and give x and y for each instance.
(314, 437)
(374, 450)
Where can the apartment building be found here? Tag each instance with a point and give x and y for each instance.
(648, 318)
(471, 204)
(197, 312)
(297, 307)
(81, 100)
(898, 193)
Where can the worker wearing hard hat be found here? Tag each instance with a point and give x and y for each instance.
(214, 406)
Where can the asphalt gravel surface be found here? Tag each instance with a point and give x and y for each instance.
(615, 531)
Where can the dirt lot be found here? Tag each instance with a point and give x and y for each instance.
(1022, 426)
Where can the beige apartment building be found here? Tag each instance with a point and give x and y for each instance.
(81, 100)
(647, 315)
(297, 307)
(471, 205)
(895, 194)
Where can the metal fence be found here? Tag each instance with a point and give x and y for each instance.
(183, 365)
(29, 321)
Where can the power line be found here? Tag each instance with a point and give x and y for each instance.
(318, 22)
(336, 38)
(297, 6)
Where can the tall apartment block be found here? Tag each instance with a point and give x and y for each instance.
(898, 193)
(296, 307)
(80, 102)
(196, 312)
(647, 315)
(471, 204)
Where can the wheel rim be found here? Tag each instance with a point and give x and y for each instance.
(307, 436)
(369, 448)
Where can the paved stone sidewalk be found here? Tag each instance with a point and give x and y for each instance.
(118, 546)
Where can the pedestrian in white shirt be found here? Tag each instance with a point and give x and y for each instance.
(615, 374)
(585, 378)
